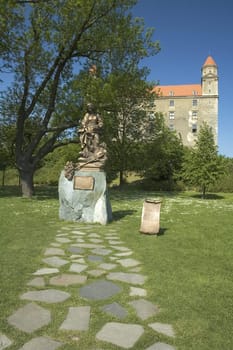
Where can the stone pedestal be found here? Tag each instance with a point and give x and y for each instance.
(85, 197)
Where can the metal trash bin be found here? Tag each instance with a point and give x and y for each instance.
(150, 220)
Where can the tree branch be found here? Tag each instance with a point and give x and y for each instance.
(30, 1)
(50, 146)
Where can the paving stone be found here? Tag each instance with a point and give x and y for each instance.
(96, 272)
(128, 262)
(160, 346)
(132, 278)
(75, 250)
(41, 343)
(56, 245)
(54, 251)
(124, 253)
(67, 280)
(30, 317)
(4, 341)
(75, 256)
(99, 290)
(113, 258)
(63, 240)
(79, 260)
(95, 240)
(55, 261)
(90, 245)
(37, 282)
(94, 235)
(114, 242)
(115, 309)
(80, 240)
(134, 291)
(46, 271)
(135, 269)
(46, 296)
(163, 328)
(120, 334)
(75, 267)
(81, 233)
(95, 258)
(101, 251)
(107, 266)
(77, 319)
(144, 308)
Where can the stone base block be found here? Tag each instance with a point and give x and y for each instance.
(85, 198)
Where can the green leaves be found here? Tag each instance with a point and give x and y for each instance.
(202, 166)
(49, 47)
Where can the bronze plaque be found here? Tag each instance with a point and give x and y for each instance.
(83, 183)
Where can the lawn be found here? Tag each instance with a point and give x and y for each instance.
(189, 264)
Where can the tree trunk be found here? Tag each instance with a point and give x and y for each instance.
(26, 182)
(122, 180)
(203, 191)
(3, 177)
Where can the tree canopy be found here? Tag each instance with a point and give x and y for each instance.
(202, 166)
(49, 46)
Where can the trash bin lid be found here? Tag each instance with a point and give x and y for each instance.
(155, 201)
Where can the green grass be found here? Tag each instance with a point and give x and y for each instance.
(189, 265)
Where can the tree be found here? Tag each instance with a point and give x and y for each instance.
(7, 134)
(127, 119)
(46, 48)
(202, 166)
(161, 153)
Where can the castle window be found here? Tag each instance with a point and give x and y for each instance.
(194, 128)
(194, 114)
(171, 115)
(171, 93)
(171, 103)
(194, 102)
(171, 127)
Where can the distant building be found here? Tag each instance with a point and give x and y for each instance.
(186, 107)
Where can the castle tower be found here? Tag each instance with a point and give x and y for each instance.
(186, 107)
(209, 77)
(209, 100)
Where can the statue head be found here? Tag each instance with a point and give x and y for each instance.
(90, 107)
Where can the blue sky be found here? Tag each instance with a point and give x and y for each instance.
(189, 31)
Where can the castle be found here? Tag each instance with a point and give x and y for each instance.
(186, 107)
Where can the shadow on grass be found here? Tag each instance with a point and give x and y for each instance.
(160, 233)
(120, 214)
(207, 196)
(10, 191)
(41, 192)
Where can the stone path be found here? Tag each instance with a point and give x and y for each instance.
(102, 269)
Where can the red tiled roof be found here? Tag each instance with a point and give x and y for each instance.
(178, 90)
(209, 62)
